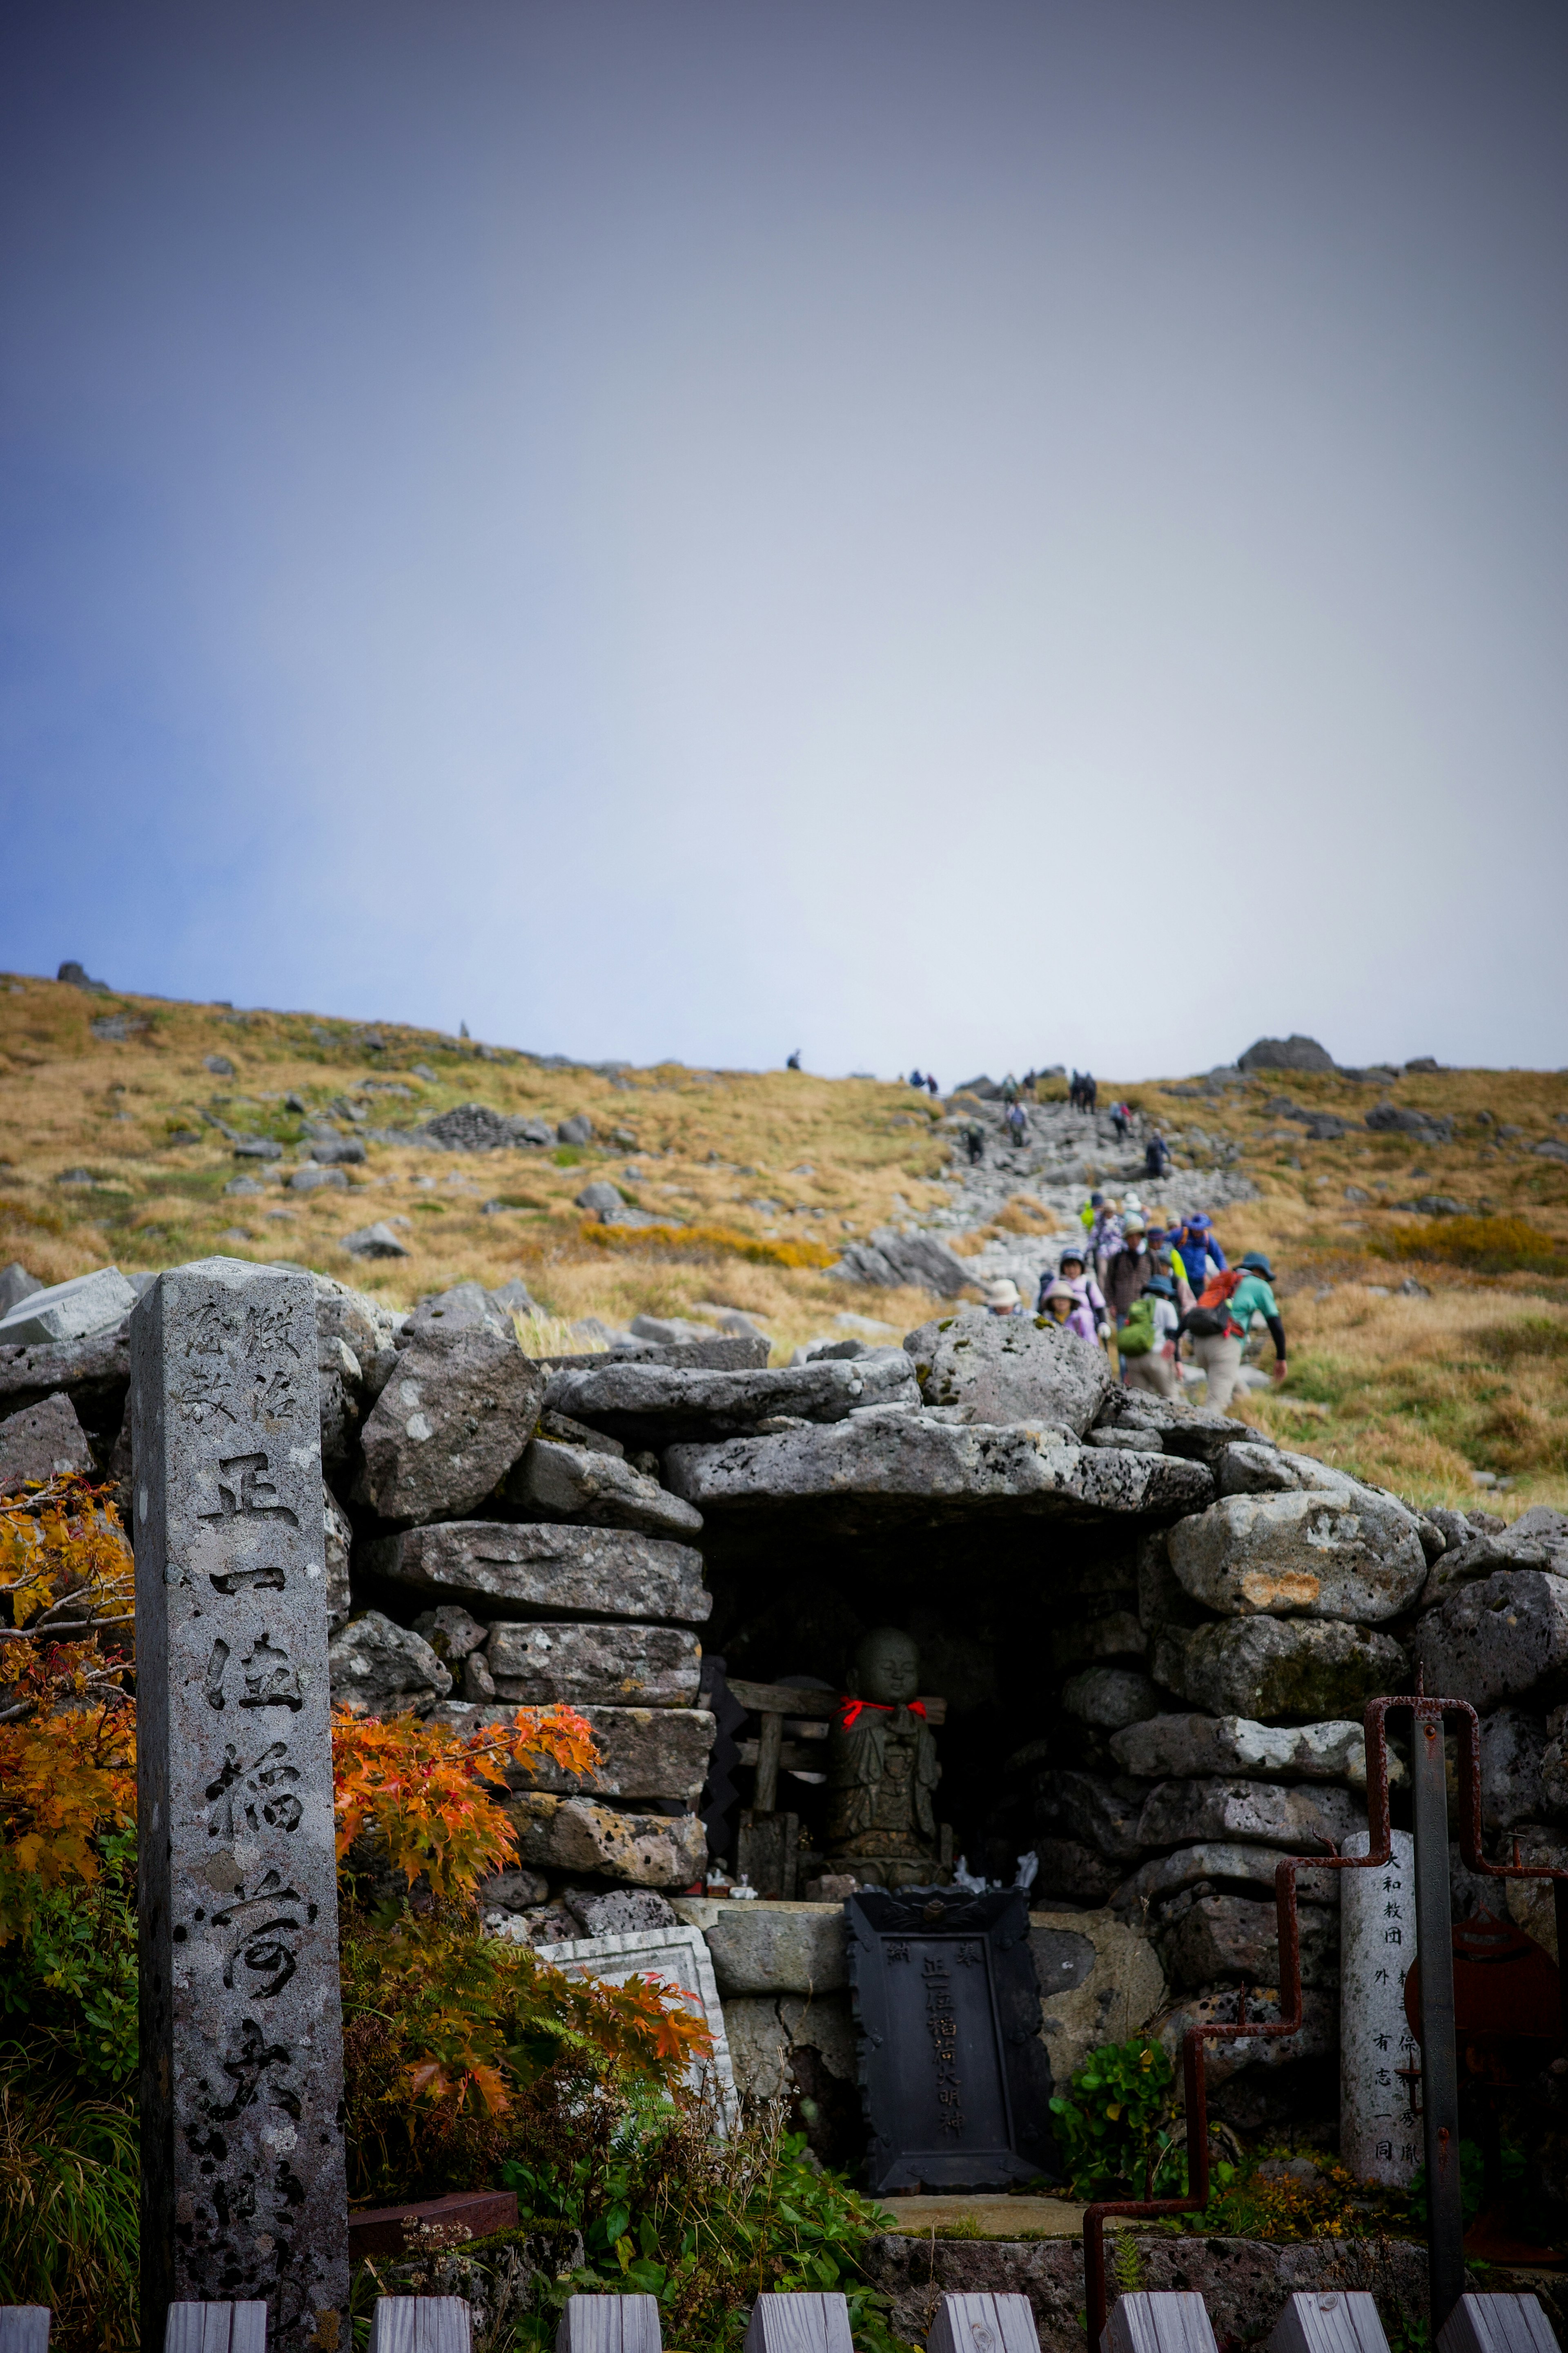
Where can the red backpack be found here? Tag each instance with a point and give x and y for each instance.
(1211, 1319)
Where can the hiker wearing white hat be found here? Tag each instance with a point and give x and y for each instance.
(1002, 1297)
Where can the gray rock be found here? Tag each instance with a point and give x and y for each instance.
(1192, 1746)
(890, 1260)
(511, 1891)
(777, 1949)
(1081, 1807)
(364, 1326)
(76, 1310)
(244, 1185)
(1537, 1539)
(628, 1665)
(565, 1572)
(311, 1179)
(1292, 1053)
(1222, 1936)
(1498, 1640)
(1110, 1697)
(466, 1307)
(577, 1482)
(1513, 1748)
(16, 1284)
(332, 1151)
(258, 1147)
(379, 1669)
(338, 1541)
(43, 1442)
(1260, 1813)
(448, 1425)
(1344, 1554)
(451, 1631)
(93, 1372)
(1221, 1865)
(670, 1331)
(567, 1433)
(578, 1129)
(909, 1464)
(1250, 1468)
(575, 1834)
(475, 1127)
(654, 1404)
(512, 1298)
(1225, 2058)
(1300, 1669)
(645, 1752)
(1126, 1442)
(620, 1912)
(375, 1241)
(1401, 1119)
(1008, 1368)
(1195, 1434)
(601, 1196)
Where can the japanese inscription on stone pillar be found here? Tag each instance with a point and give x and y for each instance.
(243, 2182)
(1380, 2133)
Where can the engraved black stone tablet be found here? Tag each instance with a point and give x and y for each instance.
(954, 2077)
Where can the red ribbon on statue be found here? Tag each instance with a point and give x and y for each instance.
(854, 1708)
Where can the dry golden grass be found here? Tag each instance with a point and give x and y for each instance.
(711, 1149)
(1416, 1392)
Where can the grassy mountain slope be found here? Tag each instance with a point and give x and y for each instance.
(108, 1154)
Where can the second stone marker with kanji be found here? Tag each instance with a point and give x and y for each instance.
(242, 2135)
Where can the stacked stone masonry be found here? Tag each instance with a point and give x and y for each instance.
(1155, 1630)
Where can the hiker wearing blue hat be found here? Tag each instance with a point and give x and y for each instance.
(1198, 1245)
(1218, 1327)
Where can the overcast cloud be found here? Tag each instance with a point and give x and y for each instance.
(981, 534)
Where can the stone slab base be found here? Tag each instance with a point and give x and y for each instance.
(1243, 2282)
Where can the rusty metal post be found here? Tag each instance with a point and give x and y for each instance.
(1439, 2071)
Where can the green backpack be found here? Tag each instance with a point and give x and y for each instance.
(1136, 1336)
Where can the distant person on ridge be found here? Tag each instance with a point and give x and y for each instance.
(931, 1084)
(1119, 1118)
(1017, 1122)
(1157, 1155)
(974, 1142)
(794, 1061)
(916, 1080)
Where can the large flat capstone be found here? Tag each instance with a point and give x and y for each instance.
(1340, 1553)
(629, 1666)
(1005, 1369)
(769, 1948)
(1180, 1813)
(451, 1421)
(1303, 1668)
(655, 1404)
(900, 1460)
(530, 1566)
(69, 1311)
(1498, 1640)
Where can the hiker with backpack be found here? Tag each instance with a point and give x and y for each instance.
(1146, 1343)
(1128, 1269)
(1157, 1155)
(1072, 1269)
(1218, 1325)
(974, 1142)
(1199, 1246)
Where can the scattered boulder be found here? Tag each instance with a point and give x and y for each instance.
(578, 1483)
(258, 1147)
(379, 1669)
(1503, 1638)
(606, 1200)
(475, 1127)
(1301, 1669)
(375, 1241)
(1008, 1368)
(333, 1151)
(1402, 1119)
(43, 1442)
(74, 974)
(1347, 1553)
(311, 1179)
(578, 1129)
(890, 1260)
(448, 1425)
(1292, 1053)
(76, 1310)
(640, 1665)
(569, 1572)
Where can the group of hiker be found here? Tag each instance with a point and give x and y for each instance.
(1140, 1290)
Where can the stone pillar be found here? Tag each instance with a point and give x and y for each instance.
(1380, 2140)
(242, 2136)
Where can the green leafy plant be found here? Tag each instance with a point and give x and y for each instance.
(1117, 2132)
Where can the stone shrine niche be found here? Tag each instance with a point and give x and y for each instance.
(882, 1772)
(954, 2077)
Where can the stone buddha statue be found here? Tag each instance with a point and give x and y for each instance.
(882, 1770)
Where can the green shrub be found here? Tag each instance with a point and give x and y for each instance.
(1503, 1245)
(1117, 2132)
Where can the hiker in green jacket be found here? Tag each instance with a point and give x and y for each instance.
(1219, 1353)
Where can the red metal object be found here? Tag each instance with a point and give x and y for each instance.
(1380, 1848)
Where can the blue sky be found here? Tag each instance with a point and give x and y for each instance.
(977, 535)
